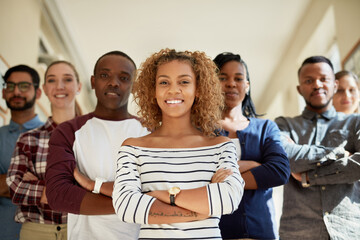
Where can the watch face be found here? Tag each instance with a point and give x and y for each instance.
(174, 190)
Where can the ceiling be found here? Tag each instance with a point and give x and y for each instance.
(259, 30)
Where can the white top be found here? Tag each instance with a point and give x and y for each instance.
(236, 141)
(141, 170)
(95, 148)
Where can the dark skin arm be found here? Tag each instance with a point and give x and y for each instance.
(244, 167)
(105, 189)
(103, 201)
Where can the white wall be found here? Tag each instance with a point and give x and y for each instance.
(325, 23)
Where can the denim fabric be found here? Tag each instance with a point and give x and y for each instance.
(9, 229)
(330, 207)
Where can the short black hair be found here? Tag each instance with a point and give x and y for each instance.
(117, 53)
(24, 68)
(316, 59)
(248, 107)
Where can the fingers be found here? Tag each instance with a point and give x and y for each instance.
(28, 176)
(221, 175)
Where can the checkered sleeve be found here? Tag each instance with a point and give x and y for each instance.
(24, 192)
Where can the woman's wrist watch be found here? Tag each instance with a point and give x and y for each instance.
(172, 193)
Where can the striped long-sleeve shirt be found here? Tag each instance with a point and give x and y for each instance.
(141, 170)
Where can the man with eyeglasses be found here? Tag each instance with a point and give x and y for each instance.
(20, 91)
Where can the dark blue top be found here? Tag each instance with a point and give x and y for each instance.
(255, 217)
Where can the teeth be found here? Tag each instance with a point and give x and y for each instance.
(173, 101)
(60, 96)
(111, 93)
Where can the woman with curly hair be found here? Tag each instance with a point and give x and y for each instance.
(263, 162)
(164, 180)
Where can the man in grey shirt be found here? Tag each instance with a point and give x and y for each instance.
(322, 198)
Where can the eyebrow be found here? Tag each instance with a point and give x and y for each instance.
(109, 70)
(66, 74)
(235, 74)
(183, 75)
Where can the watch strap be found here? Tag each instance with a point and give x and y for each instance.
(98, 183)
(172, 200)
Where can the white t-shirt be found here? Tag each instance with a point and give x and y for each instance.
(95, 148)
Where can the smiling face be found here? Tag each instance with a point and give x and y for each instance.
(112, 83)
(61, 86)
(233, 83)
(346, 99)
(317, 85)
(175, 89)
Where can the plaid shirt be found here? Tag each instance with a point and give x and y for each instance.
(30, 155)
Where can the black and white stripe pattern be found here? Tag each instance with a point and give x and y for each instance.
(140, 170)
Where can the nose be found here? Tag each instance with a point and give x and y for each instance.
(347, 94)
(60, 85)
(230, 82)
(318, 84)
(17, 90)
(174, 88)
(114, 81)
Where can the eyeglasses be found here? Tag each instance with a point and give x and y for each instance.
(23, 86)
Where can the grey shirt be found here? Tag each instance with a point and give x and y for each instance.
(330, 207)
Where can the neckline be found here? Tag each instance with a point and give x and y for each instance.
(180, 149)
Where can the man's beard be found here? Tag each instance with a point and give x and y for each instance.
(319, 106)
(27, 105)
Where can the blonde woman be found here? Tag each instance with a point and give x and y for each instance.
(27, 169)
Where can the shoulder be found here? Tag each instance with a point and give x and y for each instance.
(219, 140)
(135, 124)
(285, 123)
(34, 133)
(4, 129)
(74, 124)
(136, 141)
(262, 127)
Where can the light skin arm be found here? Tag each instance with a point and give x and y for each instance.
(163, 213)
(4, 189)
(185, 199)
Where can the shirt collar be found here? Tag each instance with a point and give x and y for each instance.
(329, 114)
(50, 125)
(31, 124)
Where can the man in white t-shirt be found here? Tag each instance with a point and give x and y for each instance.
(90, 143)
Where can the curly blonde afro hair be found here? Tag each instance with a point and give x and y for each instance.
(209, 103)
